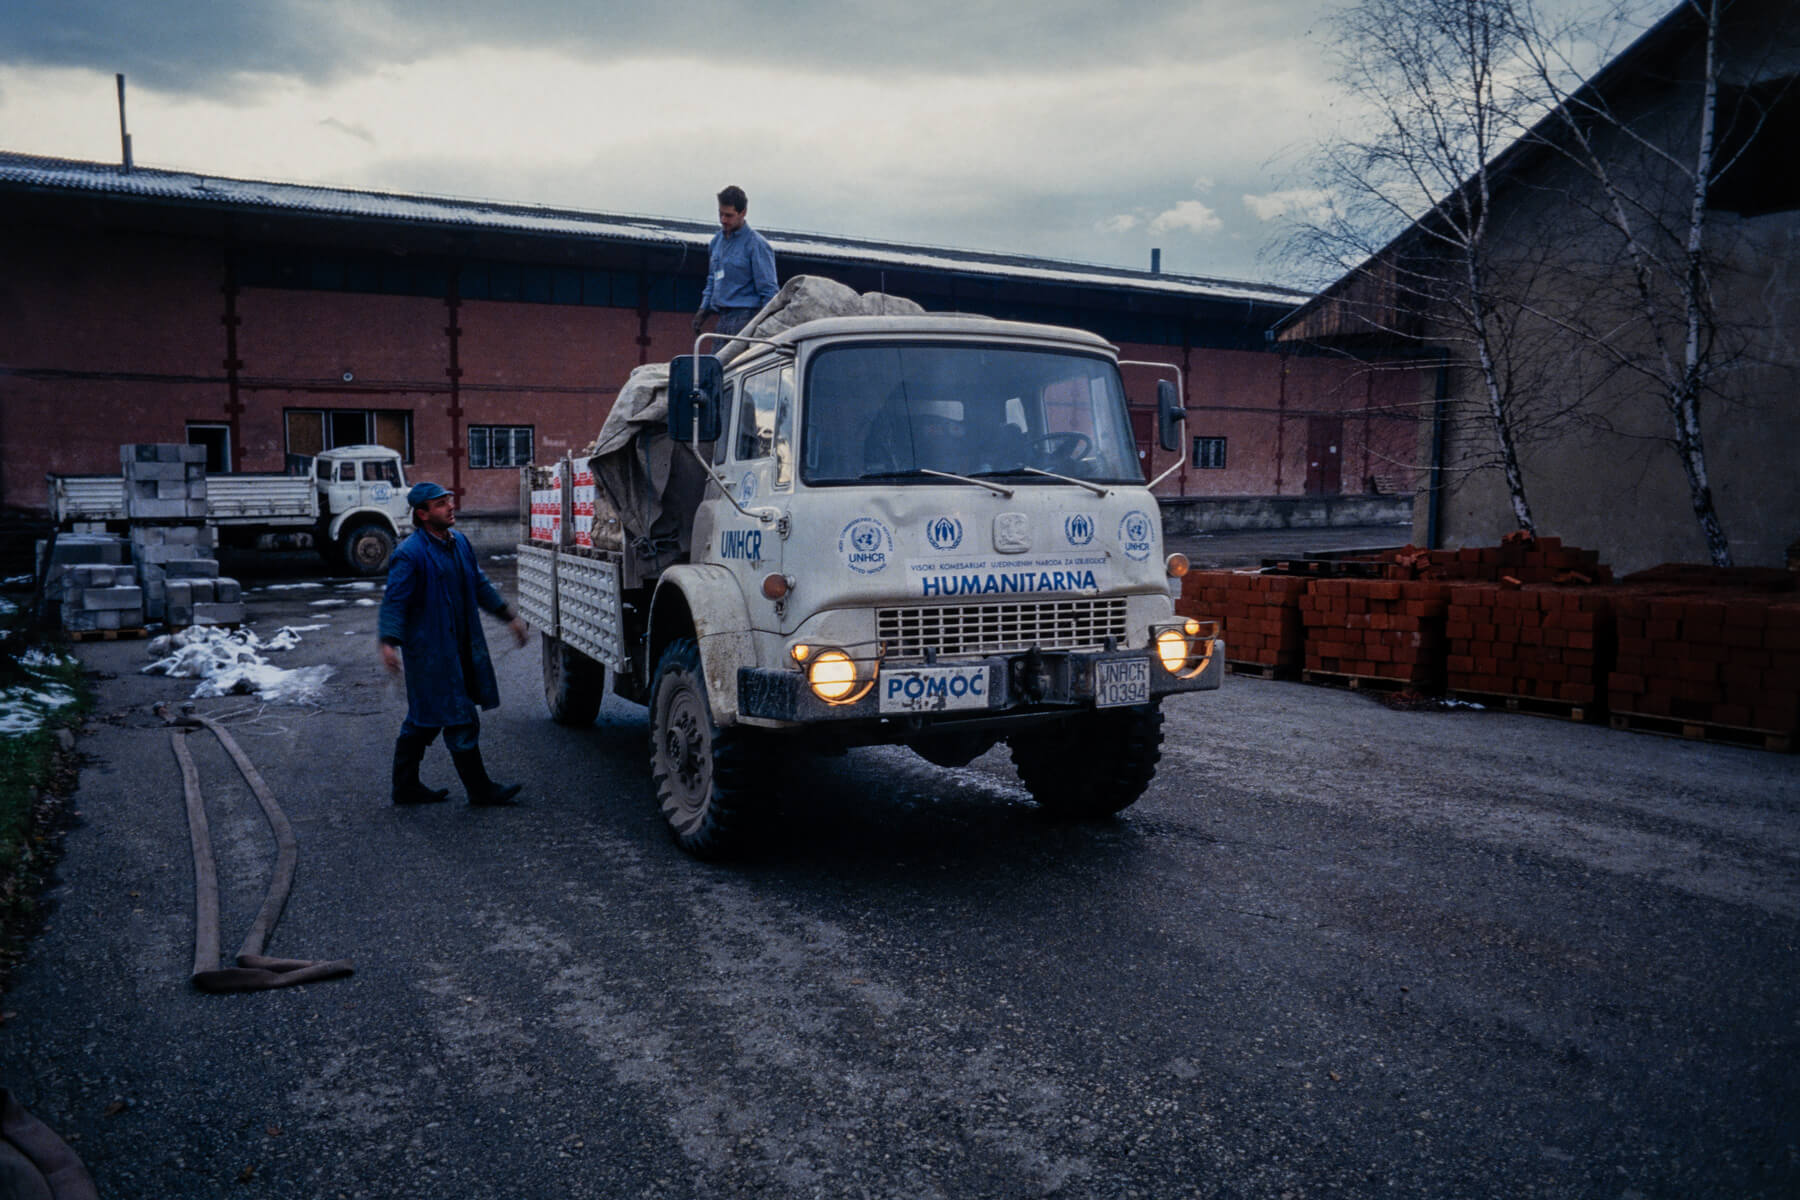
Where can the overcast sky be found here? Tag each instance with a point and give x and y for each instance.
(1062, 128)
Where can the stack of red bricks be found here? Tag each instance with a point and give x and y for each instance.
(1386, 629)
(1258, 615)
(1518, 559)
(1540, 642)
(1726, 655)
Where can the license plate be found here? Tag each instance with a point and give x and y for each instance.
(1121, 681)
(934, 689)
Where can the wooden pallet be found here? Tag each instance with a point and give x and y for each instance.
(1260, 670)
(1361, 683)
(105, 635)
(1537, 706)
(1705, 731)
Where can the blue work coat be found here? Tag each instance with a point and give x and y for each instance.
(426, 599)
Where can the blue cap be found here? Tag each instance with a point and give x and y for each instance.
(424, 493)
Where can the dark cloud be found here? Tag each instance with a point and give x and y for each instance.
(215, 46)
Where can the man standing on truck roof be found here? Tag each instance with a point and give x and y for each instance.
(434, 587)
(740, 270)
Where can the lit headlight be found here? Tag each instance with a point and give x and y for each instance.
(1187, 649)
(832, 675)
(1172, 649)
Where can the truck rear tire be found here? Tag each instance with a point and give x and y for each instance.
(366, 548)
(574, 684)
(1090, 766)
(708, 780)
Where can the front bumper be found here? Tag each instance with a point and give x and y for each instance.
(1032, 682)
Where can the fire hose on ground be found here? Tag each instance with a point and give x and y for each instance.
(254, 970)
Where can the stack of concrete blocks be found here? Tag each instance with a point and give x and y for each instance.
(171, 543)
(89, 580)
(164, 482)
(96, 597)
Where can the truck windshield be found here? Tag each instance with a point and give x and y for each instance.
(891, 411)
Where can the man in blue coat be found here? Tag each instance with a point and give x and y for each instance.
(428, 612)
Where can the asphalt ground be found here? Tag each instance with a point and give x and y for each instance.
(1339, 949)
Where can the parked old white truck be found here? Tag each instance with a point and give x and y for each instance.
(926, 530)
(349, 503)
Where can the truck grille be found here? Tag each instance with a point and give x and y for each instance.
(1000, 628)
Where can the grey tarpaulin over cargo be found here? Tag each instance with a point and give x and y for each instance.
(652, 484)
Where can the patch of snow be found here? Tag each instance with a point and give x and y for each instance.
(367, 603)
(23, 709)
(333, 602)
(18, 580)
(227, 663)
(7, 607)
(286, 587)
(362, 586)
(38, 661)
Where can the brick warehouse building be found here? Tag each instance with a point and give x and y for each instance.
(264, 319)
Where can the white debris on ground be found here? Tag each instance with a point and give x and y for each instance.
(361, 586)
(286, 587)
(7, 607)
(230, 662)
(331, 603)
(367, 603)
(23, 708)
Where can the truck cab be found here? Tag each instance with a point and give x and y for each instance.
(362, 506)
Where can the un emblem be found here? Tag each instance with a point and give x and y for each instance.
(945, 533)
(1136, 535)
(1079, 529)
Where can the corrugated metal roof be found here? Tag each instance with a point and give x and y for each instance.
(29, 172)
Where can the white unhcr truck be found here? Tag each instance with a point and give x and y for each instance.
(925, 530)
(348, 503)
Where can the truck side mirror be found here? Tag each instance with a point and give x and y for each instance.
(1169, 414)
(696, 383)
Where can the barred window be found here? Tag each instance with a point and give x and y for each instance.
(499, 445)
(1209, 452)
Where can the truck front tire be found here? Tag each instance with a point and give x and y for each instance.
(367, 548)
(1090, 766)
(574, 684)
(707, 779)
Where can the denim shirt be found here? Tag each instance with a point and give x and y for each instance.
(740, 271)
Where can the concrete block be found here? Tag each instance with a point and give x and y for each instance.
(148, 535)
(202, 590)
(196, 510)
(169, 452)
(195, 470)
(88, 548)
(79, 620)
(218, 614)
(158, 510)
(179, 593)
(107, 619)
(158, 471)
(192, 568)
(194, 454)
(100, 599)
(196, 489)
(137, 452)
(226, 590)
(171, 489)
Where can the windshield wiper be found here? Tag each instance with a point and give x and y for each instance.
(917, 472)
(1092, 487)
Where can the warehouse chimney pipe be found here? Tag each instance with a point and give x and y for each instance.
(1155, 254)
(124, 137)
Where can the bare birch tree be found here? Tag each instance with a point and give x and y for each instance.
(1651, 172)
(1410, 229)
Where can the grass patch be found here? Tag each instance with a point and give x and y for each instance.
(42, 693)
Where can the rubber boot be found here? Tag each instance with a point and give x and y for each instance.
(483, 792)
(409, 752)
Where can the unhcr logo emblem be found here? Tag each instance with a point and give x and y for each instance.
(1135, 533)
(1079, 529)
(866, 545)
(945, 533)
